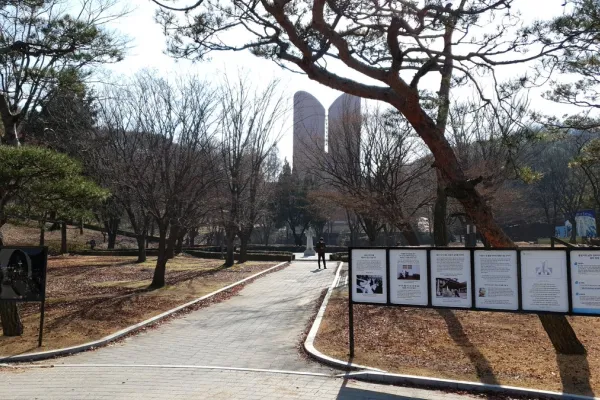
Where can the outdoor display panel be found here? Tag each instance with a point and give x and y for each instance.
(585, 281)
(408, 277)
(451, 278)
(369, 275)
(496, 279)
(544, 283)
(23, 273)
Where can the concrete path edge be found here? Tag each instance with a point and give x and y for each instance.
(44, 355)
(373, 375)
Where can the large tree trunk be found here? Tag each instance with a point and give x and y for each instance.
(440, 230)
(11, 320)
(557, 327)
(63, 238)
(141, 241)
(574, 231)
(158, 280)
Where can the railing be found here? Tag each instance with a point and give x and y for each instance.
(563, 242)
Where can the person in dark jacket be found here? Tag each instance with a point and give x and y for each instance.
(321, 252)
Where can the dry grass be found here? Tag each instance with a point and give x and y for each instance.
(91, 297)
(27, 233)
(495, 348)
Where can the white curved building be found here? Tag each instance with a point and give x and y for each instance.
(309, 132)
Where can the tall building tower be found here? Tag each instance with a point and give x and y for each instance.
(309, 132)
(344, 125)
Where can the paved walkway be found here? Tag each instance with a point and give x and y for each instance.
(192, 357)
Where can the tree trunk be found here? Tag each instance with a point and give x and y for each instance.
(11, 320)
(112, 240)
(561, 334)
(244, 239)
(158, 280)
(63, 238)
(141, 241)
(42, 234)
(179, 244)
(192, 236)
(407, 230)
(170, 250)
(11, 128)
(574, 232)
(440, 230)
(112, 226)
(230, 258)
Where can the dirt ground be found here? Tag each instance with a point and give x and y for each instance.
(495, 348)
(91, 297)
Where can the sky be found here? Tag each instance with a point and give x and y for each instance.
(148, 51)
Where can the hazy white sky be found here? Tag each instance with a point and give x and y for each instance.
(149, 44)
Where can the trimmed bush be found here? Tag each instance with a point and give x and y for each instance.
(339, 257)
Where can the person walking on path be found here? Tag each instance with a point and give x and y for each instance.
(321, 253)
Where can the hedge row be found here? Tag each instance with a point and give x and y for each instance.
(292, 249)
(114, 253)
(251, 256)
(339, 257)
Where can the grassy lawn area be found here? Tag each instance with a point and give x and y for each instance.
(91, 297)
(495, 348)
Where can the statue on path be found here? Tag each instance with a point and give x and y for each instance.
(310, 251)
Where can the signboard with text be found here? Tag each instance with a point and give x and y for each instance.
(451, 278)
(532, 280)
(369, 276)
(496, 279)
(408, 277)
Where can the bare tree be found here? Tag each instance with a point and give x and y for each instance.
(250, 128)
(376, 166)
(161, 134)
(395, 44)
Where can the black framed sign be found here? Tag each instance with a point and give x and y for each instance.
(23, 277)
(23, 273)
(519, 280)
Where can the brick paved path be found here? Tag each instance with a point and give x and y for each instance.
(258, 329)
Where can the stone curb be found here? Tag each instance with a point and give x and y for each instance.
(368, 374)
(44, 355)
(312, 334)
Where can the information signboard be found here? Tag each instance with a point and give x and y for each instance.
(585, 281)
(451, 278)
(22, 273)
(408, 277)
(369, 279)
(496, 279)
(544, 281)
